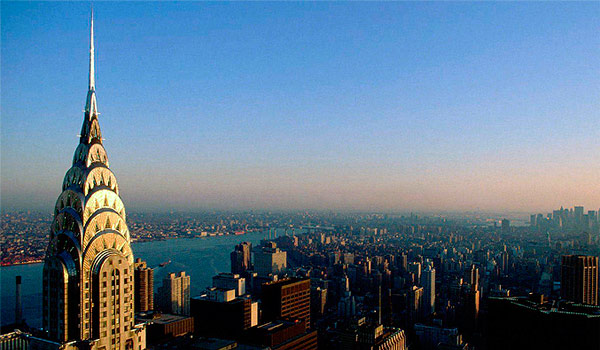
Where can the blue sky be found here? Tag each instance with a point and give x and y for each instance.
(367, 106)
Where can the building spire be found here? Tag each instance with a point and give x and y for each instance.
(92, 82)
(90, 103)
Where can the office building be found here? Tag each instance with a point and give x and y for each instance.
(240, 258)
(219, 313)
(415, 269)
(230, 281)
(415, 303)
(144, 286)
(88, 284)
(318, 301)
(428, 281)
(579, 279)
(286, 298)
(474, 278)
(268, 259)
(174, 294)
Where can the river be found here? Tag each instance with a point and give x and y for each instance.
(201, 258)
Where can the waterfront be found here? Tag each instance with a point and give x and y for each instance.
(201, 258)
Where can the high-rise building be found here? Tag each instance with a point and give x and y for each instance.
(318, 301)
(144, 286)
(286, 298)
(230, 281)
(174, 294)
(403, 262)
(579, 279)
(504, 261)
(428, 281)
(578, 211)
(88, 283)
(240, 258)
(505, 225)
(415, 269)
(268, 259)
(474, 278)
(415, 303)
(18, 305)
(219, 313)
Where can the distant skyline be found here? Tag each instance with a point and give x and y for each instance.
(400, 106)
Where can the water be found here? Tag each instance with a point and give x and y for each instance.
(201, 258)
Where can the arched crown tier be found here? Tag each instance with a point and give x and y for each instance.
(87, 180)
(90, 130)
(67, 220)
(107, 239)
(100, 199)
(104, 219)
(89, 154)
(70, 199)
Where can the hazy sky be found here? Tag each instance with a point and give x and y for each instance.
(366, 106)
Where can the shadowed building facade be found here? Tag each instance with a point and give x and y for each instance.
(579, 279)
(241, 258)
(88, 275)
(524, 323)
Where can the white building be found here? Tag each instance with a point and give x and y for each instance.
(230, 281)
(268, 259)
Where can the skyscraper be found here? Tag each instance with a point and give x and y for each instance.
(88, 269)
(268, 259)
(240, 258)
(428, 280)
(474, 278)
(230, 281)
(174, 294)
(415, 303)
(144, 286)
(579, 279)
(219, 313)
(288, 297)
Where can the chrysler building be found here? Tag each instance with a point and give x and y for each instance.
(88, 300)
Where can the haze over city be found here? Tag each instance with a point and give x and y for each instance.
(386, 106)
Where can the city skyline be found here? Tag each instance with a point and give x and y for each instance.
(488, 107)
